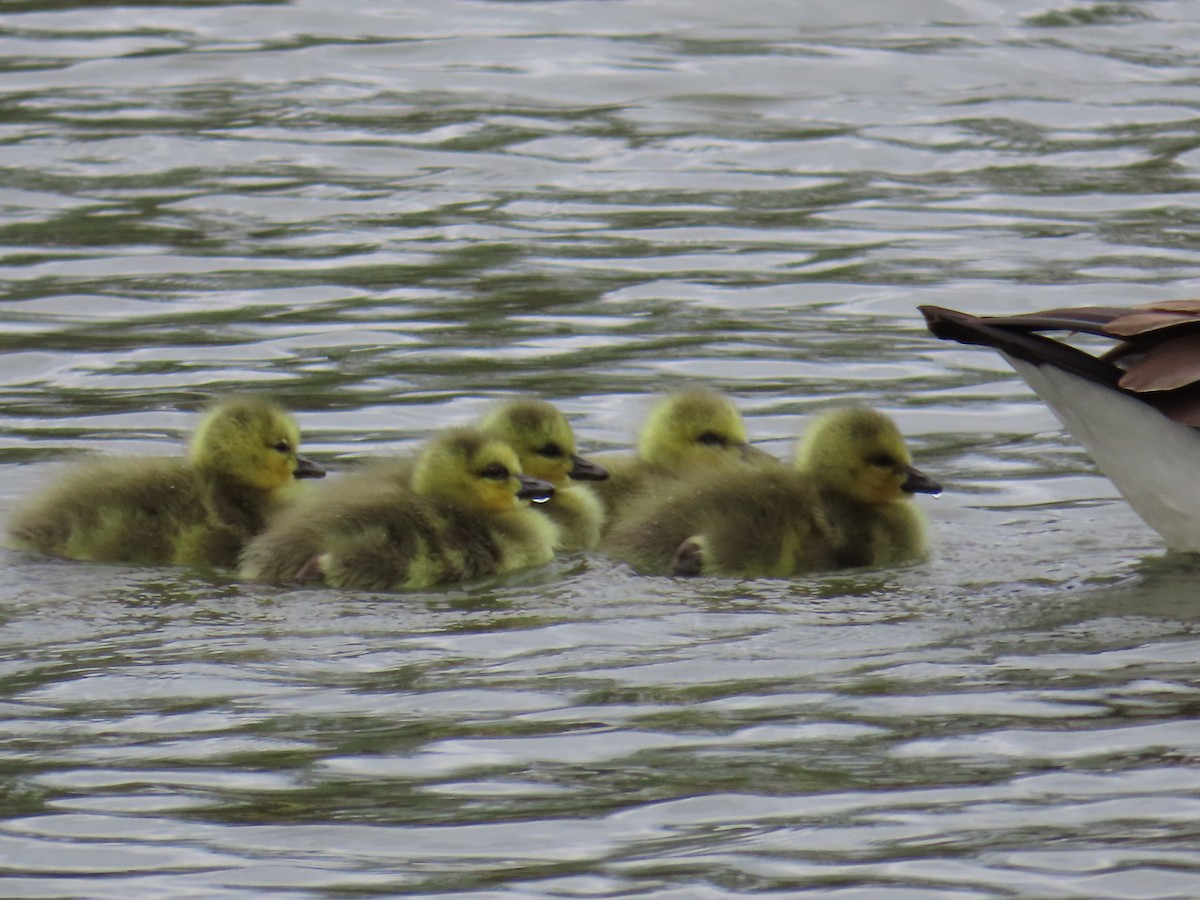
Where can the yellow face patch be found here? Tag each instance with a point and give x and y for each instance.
(472, 468)
(496, 468)
(879, 483)
(278, 457)
(859, 452)
(692, 428)
(248, 440)
(540, 435)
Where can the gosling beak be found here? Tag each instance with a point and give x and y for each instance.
(534, 489)
(751, 454)
(586, 470)
(306, 468)
(918, 482)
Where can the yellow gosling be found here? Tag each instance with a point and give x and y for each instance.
(197, 511)
(845, 504)
(545, 444)
(691, 432)
(465, 515)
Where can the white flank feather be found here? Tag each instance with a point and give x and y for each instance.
(1153, 461)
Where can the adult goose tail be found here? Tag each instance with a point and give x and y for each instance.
(1135, 406)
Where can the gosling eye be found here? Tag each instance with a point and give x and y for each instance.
(282, 447)
(883, 460)
(496, 471)
(712, 439)
(550, 451)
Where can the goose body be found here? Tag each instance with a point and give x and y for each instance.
(1135, 408)
(463, 516)
(844, 504)
(197, 511)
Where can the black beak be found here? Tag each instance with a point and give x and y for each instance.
(306, 468)
(534, 489)
(751, 454)
(918, 482)
(585, 470)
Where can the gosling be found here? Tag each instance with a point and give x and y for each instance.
(196, 511)
(844, 505)
(688, 433)
(545, 445)
(464, 516)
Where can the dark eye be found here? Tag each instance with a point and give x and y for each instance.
(712, 439)
(883, 460)
(550, 451)
(495, 470)
(283, 447)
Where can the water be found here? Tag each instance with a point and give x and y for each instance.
(387, 215)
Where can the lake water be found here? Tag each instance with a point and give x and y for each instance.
(386, 215)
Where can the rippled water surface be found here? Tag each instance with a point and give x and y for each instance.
(389, 214)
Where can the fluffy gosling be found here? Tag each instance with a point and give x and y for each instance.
(197, 511)
(845, 504)
(690, 432)
(464, 516)
(545, 445)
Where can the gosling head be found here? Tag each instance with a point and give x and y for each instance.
(543, 440)
(252, 442)
(696, 427)
(476, 469)
(860, 452)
